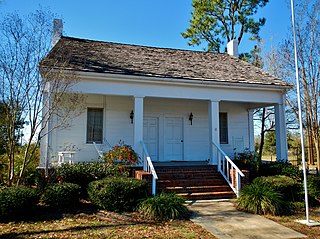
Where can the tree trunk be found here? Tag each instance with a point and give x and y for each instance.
(262, 132)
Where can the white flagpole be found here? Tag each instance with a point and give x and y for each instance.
(300, 115)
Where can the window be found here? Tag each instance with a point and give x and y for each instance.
(94, 125)
(223, 128)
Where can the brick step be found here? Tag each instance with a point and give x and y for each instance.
(187, 182)
(189, 175)
(198, 189)
(207, 195)
(208, 169)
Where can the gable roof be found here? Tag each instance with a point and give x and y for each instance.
(106, 57)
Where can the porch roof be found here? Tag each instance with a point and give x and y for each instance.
(114, 58)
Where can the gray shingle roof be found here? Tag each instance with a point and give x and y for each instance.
(115, 58)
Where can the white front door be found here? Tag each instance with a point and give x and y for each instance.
(173, 142)
(151, 136)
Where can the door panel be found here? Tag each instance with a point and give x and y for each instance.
(173, 138)
(151, 136)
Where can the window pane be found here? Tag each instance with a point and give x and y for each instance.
(94, 125)
(223, 127)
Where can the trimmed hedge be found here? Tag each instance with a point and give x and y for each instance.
(260, 198)
(86, 172)
(279, 168)
(290, 188)
(17, 201)
(163, 207)
(117, 194)
(61, 195)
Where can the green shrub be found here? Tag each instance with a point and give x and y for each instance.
(84, 173)
(280, 168)
(314, 187)
(164, 206)
(290, 188)
(259, 198)
(61, 195)
(17, 201)
(117, 194)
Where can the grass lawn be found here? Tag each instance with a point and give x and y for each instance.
(90, 223)
(290, 221)
(87, 222)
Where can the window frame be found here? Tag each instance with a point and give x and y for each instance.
(223, 116)
(91, 140)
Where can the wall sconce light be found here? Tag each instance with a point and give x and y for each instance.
(191, 117)
(131, 116)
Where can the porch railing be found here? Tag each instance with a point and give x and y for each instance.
(148, 167)
(231, 173)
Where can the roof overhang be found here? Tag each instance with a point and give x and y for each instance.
(180, 81)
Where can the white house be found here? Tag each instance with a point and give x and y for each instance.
(177, 102)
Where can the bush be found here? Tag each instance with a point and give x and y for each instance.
(164, 207)
(288, 187)
(17, 201)
(246, 160)
(117, 194)
(259, 198)
(61, 195)
(314, 187)
(84, 173)
(280, 168)
(122, 153)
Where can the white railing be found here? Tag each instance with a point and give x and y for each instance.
(102, 148)
(148, 167)
(231, 173)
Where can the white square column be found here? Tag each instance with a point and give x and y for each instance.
(138, 124)
(281, 133)
(214, 135)
(251, 130)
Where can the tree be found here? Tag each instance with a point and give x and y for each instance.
(214, 21)
(270, 142)
(265, 116)
(24, 41)
(308, 51)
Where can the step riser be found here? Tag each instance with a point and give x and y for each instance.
(189, 176)
(208, 196)
(192, 170)
(197, 189)
(190, 183)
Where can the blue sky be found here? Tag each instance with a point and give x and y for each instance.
(156, 23)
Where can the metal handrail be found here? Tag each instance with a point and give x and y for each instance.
(225, 164)
(148, 167)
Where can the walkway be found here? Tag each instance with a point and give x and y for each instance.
(225, 222)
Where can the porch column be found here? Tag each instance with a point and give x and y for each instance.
(138, 124)
(214, 135)
(251, 129)
(281, 133)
